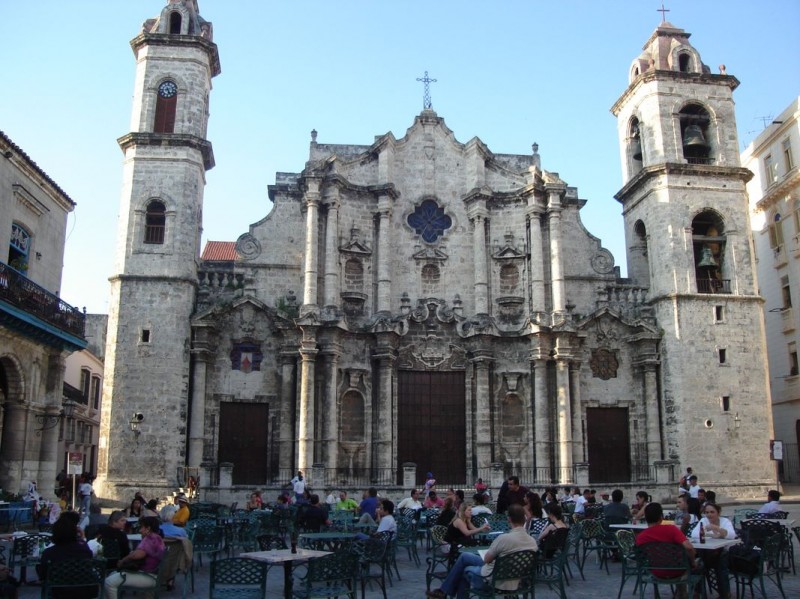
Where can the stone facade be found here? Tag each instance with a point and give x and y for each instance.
(420, 299)
(38, 330)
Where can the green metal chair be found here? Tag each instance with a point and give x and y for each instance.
(407, 538)
(666, 559)
(74, 578)
(206, 540)
(769, 567)
(595, 539)
(372, 562)
(25, 553)
(551, 565)
(439, 561)
(331, 575)
(626, 541)
(519, 566)
(237, 578)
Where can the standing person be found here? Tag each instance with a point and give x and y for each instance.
(150, 551)
(684, 482)
(85, 491)
(299, 487)
(470, 570)
(694, 488)
(516, 492)
(430, 483)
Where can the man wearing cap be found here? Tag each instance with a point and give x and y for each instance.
(181, 517)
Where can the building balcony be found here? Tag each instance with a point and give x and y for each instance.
(35, 312)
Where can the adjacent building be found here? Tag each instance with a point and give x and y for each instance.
(38, 330)
(774, 194)
(420, 303)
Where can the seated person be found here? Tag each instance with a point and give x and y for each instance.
(461, 530)
(432, 501)
(151, 508)
(168, 528)
(312, 516)
(368, 506)
(411, 502)
(479, 505)
(773, 503)
(181, 517)
(616, 512)
(447, 514)
(150, 552)
(555, 515)
(386, 521)
(656, 532)
(346, 503)
(68, 544)
(254, 503)
(114, 530)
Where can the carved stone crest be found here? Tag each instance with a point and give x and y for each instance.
(604, 364)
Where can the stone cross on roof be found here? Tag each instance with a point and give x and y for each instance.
(663, 12)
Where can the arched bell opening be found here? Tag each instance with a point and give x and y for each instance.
(708, 241)
(695, 123)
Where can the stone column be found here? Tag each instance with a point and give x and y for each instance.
(651, 413)
(541, 417)
(564, 421)
(54, 391)
(287, 400)
(382, 437)
(332, 297)
(478, 219)
(13, 447)
(537, 264)
(330, 422)
(577, 412)
(483, 425)
(384, 253)
(556, 255)
(48, 453)
(305, 407)
(311, 250)
(197, 425)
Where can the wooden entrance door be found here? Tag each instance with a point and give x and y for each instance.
(432, 424)
(243, 441)
(608, 445)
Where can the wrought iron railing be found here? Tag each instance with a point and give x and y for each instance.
(713, 285)
(17, 290)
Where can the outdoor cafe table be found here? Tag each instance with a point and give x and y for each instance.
(288, 559)
(630, 526)
(712, 544)
(331, 541)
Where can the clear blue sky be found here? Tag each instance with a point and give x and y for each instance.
(509, 72)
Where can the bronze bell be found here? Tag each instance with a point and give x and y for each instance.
(636, 147)
(707, 259)
(694, 142)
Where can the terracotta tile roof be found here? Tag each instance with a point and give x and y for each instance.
(220, 251)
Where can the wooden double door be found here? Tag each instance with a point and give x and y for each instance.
(432, 424)
(244, 441)
(608, 444)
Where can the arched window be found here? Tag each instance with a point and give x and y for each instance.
(635, 140)
(18, 248)
(175, 22)
(708, 240)
(166, 106)
(155, 222)
(684, 62)
(352, 417)
(695, 125)
(776, 233)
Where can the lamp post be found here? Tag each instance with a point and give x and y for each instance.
(48, 421)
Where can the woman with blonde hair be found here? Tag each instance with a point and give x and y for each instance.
(461, 530)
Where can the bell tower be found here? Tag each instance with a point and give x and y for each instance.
(688, 240)
(166, 156)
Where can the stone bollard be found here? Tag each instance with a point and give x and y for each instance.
(225, 474)
(409, 476)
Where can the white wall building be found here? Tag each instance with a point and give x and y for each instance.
(775, 212)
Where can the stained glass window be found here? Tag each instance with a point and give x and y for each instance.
(429, 221)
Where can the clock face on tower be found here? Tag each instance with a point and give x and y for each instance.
(167, 89)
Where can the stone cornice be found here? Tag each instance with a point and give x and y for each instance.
(678, 168)
(201, 43)
(170, 140)
(779, 190)
(677, 76)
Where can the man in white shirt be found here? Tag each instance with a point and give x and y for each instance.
(385, 513)
(773, 503)
(411, 502)
(298, 486)
(582, 500)
(85, 491)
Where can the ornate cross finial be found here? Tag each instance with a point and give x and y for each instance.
(663, 12)
(426, 98)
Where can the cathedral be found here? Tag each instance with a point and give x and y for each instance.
(423, 304)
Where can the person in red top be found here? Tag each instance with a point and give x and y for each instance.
(663, 533)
